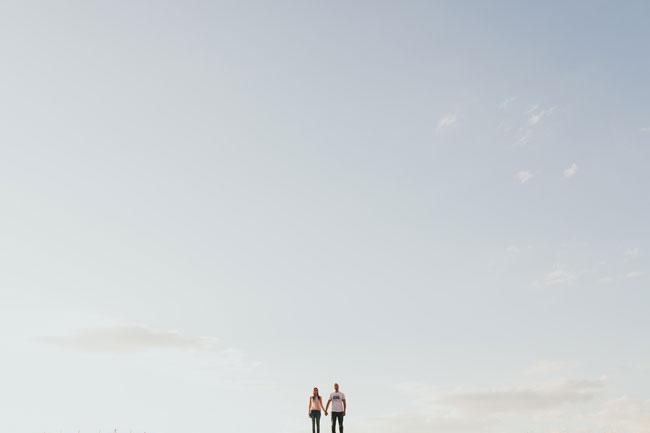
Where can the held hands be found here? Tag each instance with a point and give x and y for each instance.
(325, 413)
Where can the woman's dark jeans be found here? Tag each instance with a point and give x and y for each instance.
(315, 421)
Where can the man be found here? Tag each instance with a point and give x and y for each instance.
(339, 406)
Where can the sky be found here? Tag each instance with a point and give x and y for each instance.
(208, 208)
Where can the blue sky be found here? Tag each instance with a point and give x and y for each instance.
(210, 207)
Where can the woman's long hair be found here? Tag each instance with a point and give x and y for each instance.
(317, 394)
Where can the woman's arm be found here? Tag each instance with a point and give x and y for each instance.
(309, 407)
(328, 405)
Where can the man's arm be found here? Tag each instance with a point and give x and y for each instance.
(345, 406)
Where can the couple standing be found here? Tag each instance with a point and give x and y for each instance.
(339, 405)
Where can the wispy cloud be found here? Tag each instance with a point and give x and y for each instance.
(534, 117)
(130, 338)
(632, 253)
(524, 399)
(545, 368)
(559, 277)
(625, 414)
(447, 121)
(525, 137)
(571, 171)
(645, 129)
(503, 409)
(523, 176)
(537, 114)
(513, 249)
(506, 102)
(634, 274)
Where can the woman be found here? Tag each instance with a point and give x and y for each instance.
(315, 406)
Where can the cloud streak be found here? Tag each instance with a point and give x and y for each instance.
(525, 399)
(548, 407)
(524, 176)
(130, 338)
(533, 119)
(537, 114)
(634, 274)
(506, 102)
(447, 121)
(632, 253)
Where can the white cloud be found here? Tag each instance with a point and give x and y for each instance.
(523, 176)
(559, 276)
(634, 274)
(545, 408)
(524, 399)
(632, 253)
(625, 414)
(645, 129)
(534, 117)
(130, 338)
(566, 405)
(513, 249)
(571, 171)
(537, 114)
(525, 137)
(544, 368)
(508, 101)
(447, 121)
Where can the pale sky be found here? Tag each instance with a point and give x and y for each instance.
(208, 208)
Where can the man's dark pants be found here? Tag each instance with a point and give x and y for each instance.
(339, 416)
